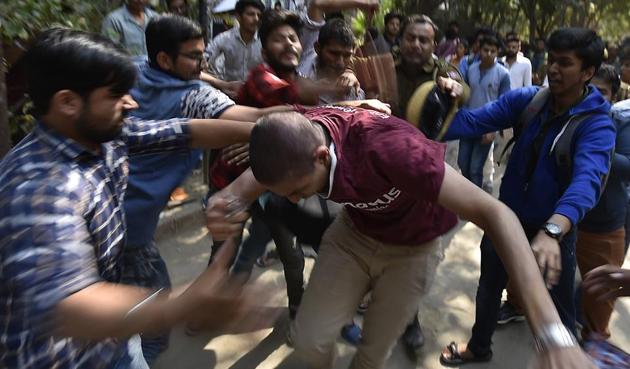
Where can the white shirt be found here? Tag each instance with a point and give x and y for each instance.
(520, 71)
(240, 57)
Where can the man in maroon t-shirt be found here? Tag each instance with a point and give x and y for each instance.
(398, 195)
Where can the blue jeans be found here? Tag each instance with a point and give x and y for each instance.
(143, 266)
(493, 280)
(471, 158)
(134, 358)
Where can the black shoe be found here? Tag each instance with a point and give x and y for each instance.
(413, 339)
(508, 313)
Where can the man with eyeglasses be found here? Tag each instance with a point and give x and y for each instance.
(168, 86)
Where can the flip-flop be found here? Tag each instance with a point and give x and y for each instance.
(456, 359)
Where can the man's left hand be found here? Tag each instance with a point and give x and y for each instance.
(237, 154)
(547, 252)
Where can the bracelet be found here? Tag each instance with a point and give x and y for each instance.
(554, 335)
(139, 305)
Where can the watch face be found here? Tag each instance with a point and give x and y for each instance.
(554, 229)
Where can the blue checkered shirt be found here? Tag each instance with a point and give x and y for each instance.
(62, 229)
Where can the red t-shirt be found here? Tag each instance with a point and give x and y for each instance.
(262, 89)
(388, 175)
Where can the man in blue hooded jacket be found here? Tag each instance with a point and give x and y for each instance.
(548, 205)
(168, 86)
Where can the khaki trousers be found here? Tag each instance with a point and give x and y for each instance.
(593, 250)
(348, 266)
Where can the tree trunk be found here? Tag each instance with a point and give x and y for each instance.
(5, 136)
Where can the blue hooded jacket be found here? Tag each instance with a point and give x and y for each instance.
(152, 177)
(537, 196)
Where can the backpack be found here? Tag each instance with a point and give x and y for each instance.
(562, 146)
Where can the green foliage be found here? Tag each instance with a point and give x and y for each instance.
(21, 122)
(21, 19)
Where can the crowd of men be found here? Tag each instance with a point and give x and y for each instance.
(283, 101)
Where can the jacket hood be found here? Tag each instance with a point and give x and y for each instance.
(594, 102)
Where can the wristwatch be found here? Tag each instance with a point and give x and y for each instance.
(553, 336)
(553, 230)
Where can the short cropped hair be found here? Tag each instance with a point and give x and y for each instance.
(65, 59)
(240, 6)
(512, 37)
(418, 19)
(490, 40)
(392, 15)
(624, 53)
(586, 44)
(166, 33)
(281, 146)
(272, 19)
(609, 74)
(336, 30)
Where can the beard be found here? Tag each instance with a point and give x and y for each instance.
(510, 54)
(96, 131)
(279, 66)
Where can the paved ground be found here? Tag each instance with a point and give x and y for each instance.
(446, 314)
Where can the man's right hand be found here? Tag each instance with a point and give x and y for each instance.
(225, 214)
(231, 88)
(451, 86)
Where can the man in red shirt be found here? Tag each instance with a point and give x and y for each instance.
(398, 195)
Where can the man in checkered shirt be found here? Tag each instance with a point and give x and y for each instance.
(62, 228)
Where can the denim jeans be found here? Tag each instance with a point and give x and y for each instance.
(143, 266)
(471, 158)
(134, 358)
(494, 278)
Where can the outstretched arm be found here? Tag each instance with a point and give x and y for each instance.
(217, 133)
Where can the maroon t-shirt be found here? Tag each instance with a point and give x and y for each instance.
(388, 175)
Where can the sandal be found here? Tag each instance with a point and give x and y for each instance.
(456, 359)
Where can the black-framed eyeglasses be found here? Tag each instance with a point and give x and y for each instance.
(199, 58)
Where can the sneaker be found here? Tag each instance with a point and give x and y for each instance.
(413, 339)
(508, 313)
(351, 333)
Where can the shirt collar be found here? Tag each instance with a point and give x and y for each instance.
(236, 30)
(127, 14)
(333, 166)
(65, 145)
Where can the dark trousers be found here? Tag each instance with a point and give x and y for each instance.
(493, 280)
(265, 226)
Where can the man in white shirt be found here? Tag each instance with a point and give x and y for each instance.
(519, 66)
(240, 46)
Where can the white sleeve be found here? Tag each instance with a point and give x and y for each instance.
(308, 37)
